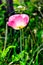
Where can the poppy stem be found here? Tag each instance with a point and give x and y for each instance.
(20, 40)
(5, 37)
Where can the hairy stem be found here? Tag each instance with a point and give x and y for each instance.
(5, 37)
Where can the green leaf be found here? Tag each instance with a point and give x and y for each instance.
(7, 50)
(22, 63)
(18, 56)
(32, 20)
(36, 60)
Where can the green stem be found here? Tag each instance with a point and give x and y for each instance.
(36, 63)
(5, 37)
(20, 40)
(32, 46)
(26, 45)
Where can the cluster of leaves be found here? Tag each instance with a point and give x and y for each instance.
(32, 36)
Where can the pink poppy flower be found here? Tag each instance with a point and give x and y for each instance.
(18, 21)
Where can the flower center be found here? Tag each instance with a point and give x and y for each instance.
(20, 27)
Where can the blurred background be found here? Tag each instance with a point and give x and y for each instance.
(32, 34)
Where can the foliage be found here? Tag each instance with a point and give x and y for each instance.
(32, 35)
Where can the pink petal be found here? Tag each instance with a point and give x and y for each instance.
(11, 24)
(26, 19)
(18, 21)
(24, 15)
(18, 18)
(11, 18)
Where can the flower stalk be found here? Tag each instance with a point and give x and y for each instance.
(5, 37)
(20, 40)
